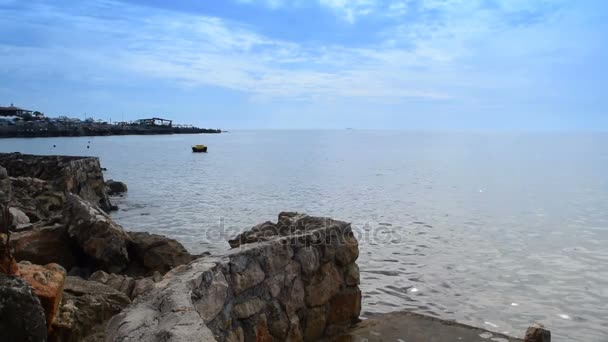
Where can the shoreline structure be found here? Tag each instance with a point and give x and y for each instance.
(82, 277)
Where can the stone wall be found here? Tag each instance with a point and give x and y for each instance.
(296, 280)
(79, 175)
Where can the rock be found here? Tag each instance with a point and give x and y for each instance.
(209, 296)
(97, 235)
(81, 176)
(248, 278)
(324, 285)
(293, 297)
(167, 314)
(121, 283)
(19, 217)
(259, 291)
(309, 260)
(315, 324)
(279, 322)
(86, 306)
(44, 246)
(261, 330)
(141, 287)
(47, 283)
(6, 190)
(100, 276)
(115, 187)
(151, 252)
(347, 250)
(157, 277)
(352, 275)
(248, 308)
(21, 315)
(537, 333)
(345, 307)
(236, 335)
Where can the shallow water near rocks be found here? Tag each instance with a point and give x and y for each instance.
(496, 230)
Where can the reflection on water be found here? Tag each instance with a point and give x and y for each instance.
(494, 230)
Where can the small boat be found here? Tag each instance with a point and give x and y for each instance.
(199, 148)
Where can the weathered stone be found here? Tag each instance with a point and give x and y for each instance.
(352, 275)
(166, 314)
(275, 257)
(115, 187)
(324, 285)
(345, 307)
(21, 315)
(19, 216)
(293, 297)
(86, 306)
(97, 235)
(157, 277)
(295, 332)
(156, 253)
(44, 246)
(100, 276)
(141, 287)
(236, 335)
(315, 324)
(537, 333)
(248, 308)
(47, 282)
(261, 330)
(251, 276)
(309, 260)
(347, 250)
(210, 294)
(77, 175)
(275, 284)
(279, 322)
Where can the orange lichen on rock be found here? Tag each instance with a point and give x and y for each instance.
(47, 282)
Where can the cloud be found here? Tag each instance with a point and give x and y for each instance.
(444, 57)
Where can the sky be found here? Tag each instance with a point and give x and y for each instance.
(395, 64)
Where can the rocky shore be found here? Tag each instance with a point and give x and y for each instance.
(79, 276)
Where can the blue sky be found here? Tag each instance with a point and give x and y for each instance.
(406, 64)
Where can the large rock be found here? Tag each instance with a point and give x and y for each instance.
(152, 252)
(537, 333)
(47, 283)
(78, 175)
(285, 287)
(86, 306)
(21, 315)
(47, 245)
(115, 187)
(100, 238)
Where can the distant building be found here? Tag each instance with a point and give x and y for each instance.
(155, 122)
(14, 111)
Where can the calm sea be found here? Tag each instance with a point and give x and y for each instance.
(495, 230)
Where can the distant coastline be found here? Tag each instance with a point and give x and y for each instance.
(99, 131)
(16, 122)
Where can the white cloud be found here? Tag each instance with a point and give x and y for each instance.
(422, 60)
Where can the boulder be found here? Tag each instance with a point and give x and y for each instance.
(21, 315)
(86, 306)
(19, 217)
(115, 187)
(152, 252)
(47, 283)
(100, 238)
(537, 333)
(47, 245)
